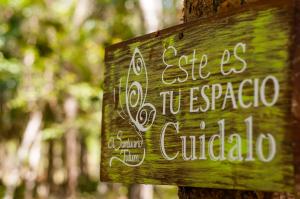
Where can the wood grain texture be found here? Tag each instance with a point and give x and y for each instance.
(295, 57)
(266, 28)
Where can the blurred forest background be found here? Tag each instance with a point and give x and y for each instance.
(51, 74)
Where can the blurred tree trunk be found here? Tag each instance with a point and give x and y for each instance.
(194, 9)
(72, 156)
(140, 192)
(134, 191)
(147, 192)
(29, 155)
(83, 158)
(84, 8)
(152, 14)
(50, 165)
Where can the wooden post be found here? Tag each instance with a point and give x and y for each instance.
(296, 96)
(192, 10)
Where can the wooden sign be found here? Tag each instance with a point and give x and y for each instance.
(205, 104)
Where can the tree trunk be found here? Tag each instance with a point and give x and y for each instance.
(50, 165)
(133, 191)
(152, 14)
(140, 192)
(72, 160)
(29, 152)
(83, 158)
(192, 10)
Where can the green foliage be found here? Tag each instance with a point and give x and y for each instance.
(50, 51)
(54, 49)
(45, 57)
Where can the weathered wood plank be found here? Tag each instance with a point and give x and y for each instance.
(259, 42)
